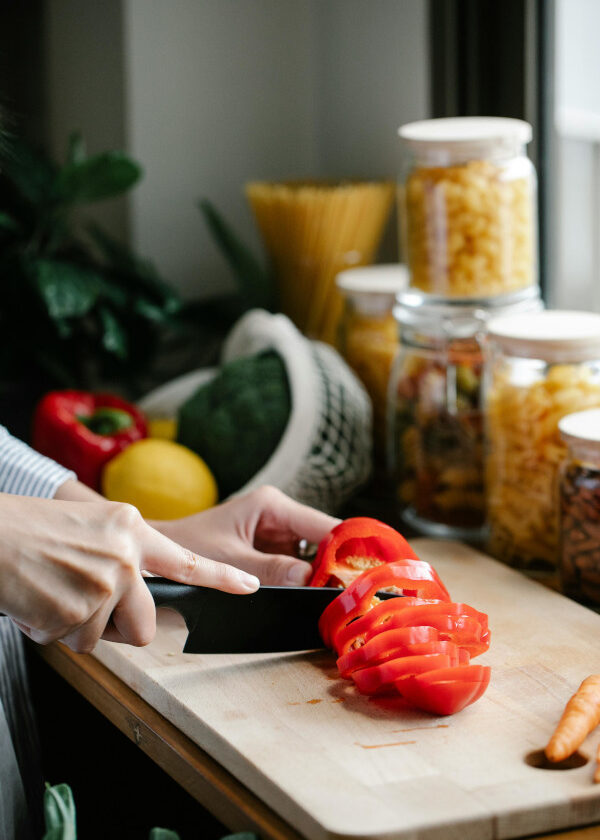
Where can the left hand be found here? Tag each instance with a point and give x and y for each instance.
(258, 532)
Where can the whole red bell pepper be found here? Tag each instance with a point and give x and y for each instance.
(83, 431)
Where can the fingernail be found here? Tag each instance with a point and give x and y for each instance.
(249, 582)
(298, 574)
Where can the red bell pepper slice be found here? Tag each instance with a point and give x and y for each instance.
(400, 613)
(391, 674)
(354, 634)
(83, 431)
(410, 577)
(452, 625)
(446, 690)
(386, 646)
(395, 643)
(355, 545)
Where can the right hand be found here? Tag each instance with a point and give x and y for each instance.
(72, 570)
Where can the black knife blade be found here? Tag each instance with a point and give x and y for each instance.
(270, 620)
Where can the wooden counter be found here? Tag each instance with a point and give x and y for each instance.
(277, 744)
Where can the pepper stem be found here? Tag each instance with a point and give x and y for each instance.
(107, 421)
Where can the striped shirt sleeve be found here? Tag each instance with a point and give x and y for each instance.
(24, 472)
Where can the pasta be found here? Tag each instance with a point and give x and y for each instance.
(470, 230)
(524, 453)
(312, 231)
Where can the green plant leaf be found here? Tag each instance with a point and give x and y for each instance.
(66, 290)
(59, 813)
(241, 835)
(97, 177)
(32, 174)
(7, 223)
(76, 152)
(254, 282)
(163, 834)
(137, 273)
(114, 336)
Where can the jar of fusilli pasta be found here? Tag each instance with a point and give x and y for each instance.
(540, 367)
(468, 206)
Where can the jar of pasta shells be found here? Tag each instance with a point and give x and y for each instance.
(468, 206)
(436, 421)
(540, 368)
(580, 507)
(368, 337)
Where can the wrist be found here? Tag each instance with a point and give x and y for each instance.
(75, 491)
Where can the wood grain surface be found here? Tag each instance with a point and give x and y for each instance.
(332, 763)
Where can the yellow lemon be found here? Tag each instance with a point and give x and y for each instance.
(162, 427)
(163, 479)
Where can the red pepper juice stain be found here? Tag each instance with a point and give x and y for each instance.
(379, 746)
(423, 728)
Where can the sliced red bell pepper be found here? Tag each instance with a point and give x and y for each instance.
(452, 625)
(418, 645)
(446, 690)
(354, 634)
(387, 675)
(382, 649)
(355, 545)
(410, 577)
(83, 431)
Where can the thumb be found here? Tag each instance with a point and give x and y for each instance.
(162, 556)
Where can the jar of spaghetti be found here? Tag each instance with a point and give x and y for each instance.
(368, 337)
(468, 206)
(436, 440)
(541, 367)
(580, 507)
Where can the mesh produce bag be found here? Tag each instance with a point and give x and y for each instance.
(325, 452)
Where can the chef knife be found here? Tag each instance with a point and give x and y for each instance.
(272, 619)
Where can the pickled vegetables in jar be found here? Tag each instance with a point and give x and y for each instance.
(436, 410)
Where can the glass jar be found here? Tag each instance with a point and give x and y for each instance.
(368, 337)
(541, 367)
(468, 206)
(580, 507)
(436, 437)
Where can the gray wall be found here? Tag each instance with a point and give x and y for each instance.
(208, 94)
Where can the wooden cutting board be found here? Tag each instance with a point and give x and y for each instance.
(335, 764)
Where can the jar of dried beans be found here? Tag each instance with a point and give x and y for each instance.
(468, 206)
(436, 422)
(580, 507)
(540, 368)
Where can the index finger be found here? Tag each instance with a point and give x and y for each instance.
(164, 557)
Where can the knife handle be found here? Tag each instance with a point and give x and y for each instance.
(178, 596)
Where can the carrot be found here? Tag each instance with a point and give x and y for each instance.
(597, 770)
(581, 715)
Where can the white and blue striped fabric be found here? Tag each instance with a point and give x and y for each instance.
(24, 472)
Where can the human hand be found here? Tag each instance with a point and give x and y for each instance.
(258, 532)
(67, 569)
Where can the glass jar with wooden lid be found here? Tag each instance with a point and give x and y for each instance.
(580, 507)
(436, 417)
(468, 203)
(540, 367)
